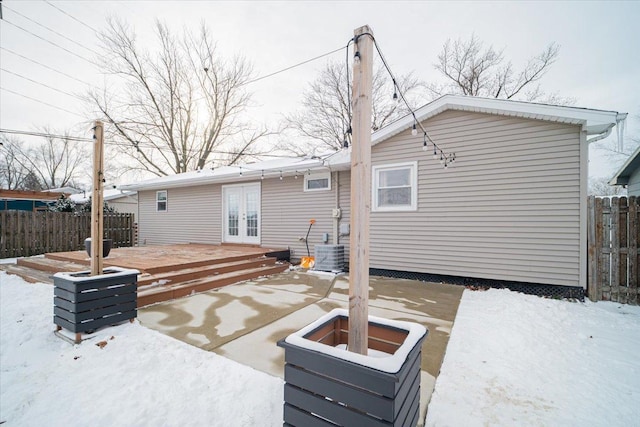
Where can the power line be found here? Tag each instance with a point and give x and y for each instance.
(50, 42)
(41, 102)
(52, 30)
(45, 66)
(294, 66)
(41, 84)
(46, 135)
(71, 16)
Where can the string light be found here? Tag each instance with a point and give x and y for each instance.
(262, 174)
(296, 175)
(280, 175)
(240, 170)
(398, 96)
(424, 143)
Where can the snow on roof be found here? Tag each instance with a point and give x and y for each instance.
(622, 176)
(269, 168)
(110, 194)
(593, 121)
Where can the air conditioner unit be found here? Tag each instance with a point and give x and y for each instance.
(329, 257)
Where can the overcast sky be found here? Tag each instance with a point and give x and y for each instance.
(599, 62)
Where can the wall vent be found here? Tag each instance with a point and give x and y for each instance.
(329, 258)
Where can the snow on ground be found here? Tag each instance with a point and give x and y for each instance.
(140, 378)
(512, 359)
(515, 359)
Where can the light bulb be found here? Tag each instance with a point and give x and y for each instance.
(414, 131)
(424, 146)
(395, 96)
(262, 175)
(280, 175)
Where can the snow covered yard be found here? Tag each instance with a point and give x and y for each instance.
(512, 360)
(140, 378)
(515, 359)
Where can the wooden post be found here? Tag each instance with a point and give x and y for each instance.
(97, 200)
(360, 191)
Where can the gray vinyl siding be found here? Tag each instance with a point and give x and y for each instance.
(509, 209)
(286, 211)
(194, 214)
(633, 188)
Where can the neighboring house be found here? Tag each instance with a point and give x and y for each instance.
(26, 200)
(512, 207)
(121, 201)
(629, 175)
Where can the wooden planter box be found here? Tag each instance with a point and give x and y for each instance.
(85, 303)
(327, 384)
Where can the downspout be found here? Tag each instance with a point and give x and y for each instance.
(336, 221)
(603, 135)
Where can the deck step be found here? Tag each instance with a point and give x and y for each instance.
(211, 269)
(49, 265)
(167, 292)
(28, 274)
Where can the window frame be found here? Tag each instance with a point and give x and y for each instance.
(315, 176)
(165, 201)
(413, 179)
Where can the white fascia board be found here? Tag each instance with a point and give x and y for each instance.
(593, 121)
(230, 174)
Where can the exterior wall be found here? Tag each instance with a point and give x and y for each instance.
(126, 204)
(287, 209)
(509, 209)
(633, 188)
(194, 214)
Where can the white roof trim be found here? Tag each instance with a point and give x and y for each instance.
(339, 160)
(593, 121)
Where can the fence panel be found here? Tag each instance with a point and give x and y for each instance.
(614, 257)
(24, 233)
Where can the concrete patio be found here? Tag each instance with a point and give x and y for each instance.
(244, 321)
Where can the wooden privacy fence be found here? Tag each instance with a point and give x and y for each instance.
(614, 257)
(24, 233)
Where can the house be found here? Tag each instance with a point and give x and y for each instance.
(121, 201)
(511, 208)
(27, 200)
(629, 174)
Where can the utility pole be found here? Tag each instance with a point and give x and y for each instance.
(360, 191)
(97, 220)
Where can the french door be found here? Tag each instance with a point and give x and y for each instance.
(241, 213)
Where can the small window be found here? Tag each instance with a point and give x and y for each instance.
(161, 201)
(395, 187)
(317, 181)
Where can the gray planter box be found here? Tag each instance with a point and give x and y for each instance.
(327, 385)
(85, 303)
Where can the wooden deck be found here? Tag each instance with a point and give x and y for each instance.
(166, 271)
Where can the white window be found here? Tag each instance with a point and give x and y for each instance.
(317, 181)
(161, 201)
(395, 187)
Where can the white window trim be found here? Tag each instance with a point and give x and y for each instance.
(166, 201)
(317, 175)
(414, 187)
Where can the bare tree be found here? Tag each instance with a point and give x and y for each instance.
(472, 69)
(178, 108)
(323, 121)
(599, 186)
(12, 172)
(54, 162)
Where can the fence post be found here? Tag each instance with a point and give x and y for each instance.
(634, 254)
(592, 257)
